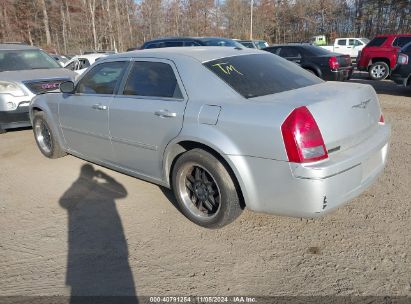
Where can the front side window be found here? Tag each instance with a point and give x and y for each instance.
(17, 60)
(260, 74)
(155, 79)
(102, 79)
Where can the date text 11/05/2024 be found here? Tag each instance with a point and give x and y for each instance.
(200, 299)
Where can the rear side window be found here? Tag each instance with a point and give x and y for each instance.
(342, 42)
(401, 41)
(260, 74)
(152, 79)
(290, 52)
(273, 50)
(191, 43)
(378, 41)
(173, 43)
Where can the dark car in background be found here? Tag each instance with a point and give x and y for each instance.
(379, 56)
(322, 63)
(190, 41)
(402, 71)
(25, 71)
(253, 44)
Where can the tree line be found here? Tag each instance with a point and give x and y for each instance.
(73, 26)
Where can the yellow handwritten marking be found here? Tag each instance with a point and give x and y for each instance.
(227, 69)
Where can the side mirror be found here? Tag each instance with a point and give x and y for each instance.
(67, 87)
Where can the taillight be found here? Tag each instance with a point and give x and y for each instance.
(381, 119)
(302, 137)
(333, 63)
(402, 59)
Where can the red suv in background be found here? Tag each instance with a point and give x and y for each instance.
(379, 56)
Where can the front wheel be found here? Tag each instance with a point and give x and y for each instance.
(205, 191)
(45, 138)
(2, 131)
(379, 70)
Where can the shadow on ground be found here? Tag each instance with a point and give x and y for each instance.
(386, 86)
(97, 262)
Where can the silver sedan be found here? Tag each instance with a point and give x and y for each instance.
(224, 128)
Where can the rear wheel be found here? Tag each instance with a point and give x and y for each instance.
(2, 131)
(45, 138)
(205, 191)
(311, 71)
(379, 70)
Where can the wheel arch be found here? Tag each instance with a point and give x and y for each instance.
(313, 68)
(175, 150)
(380, 59)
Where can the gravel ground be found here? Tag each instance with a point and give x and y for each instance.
(113, 234)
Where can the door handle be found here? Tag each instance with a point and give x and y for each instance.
(99, 107)
(165, 113)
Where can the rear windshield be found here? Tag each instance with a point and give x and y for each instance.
(16, 60)
(261, 74)
(378, 41)
(220, 42)
(313, 50)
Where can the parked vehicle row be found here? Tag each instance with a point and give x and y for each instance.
(24, 72)
(186, 118)
(379, 56)
(402, 71)
(322, 63)
(347, 46)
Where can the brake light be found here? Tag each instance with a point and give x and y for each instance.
(381, 119)
(333, 63)
(402, 59)
(302, 137)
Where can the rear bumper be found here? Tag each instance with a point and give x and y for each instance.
(310, 190)
(339, 75)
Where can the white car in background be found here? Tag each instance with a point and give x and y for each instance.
(80, 63)
(347, 46)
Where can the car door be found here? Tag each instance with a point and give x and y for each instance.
(291, 53)
(146, 116)
(84, 114)
(341, 46)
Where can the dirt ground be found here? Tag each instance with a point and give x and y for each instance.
(63, 231)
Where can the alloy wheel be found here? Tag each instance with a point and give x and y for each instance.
(199, 191)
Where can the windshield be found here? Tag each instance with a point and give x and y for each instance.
(220, 42)
(16, 60)
(261, 74)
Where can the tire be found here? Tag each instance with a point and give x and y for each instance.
(45, 138)
(205, 191)
(2, 131)
(312, 72)
(379, 70)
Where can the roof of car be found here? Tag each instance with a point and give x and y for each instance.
(16, 46)
(200, 53)
(185, 39)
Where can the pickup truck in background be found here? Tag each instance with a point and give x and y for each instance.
(347, 46)
(379, 56)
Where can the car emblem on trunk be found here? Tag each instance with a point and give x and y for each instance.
(362, 105)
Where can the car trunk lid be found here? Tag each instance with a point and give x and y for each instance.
(346, 113)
